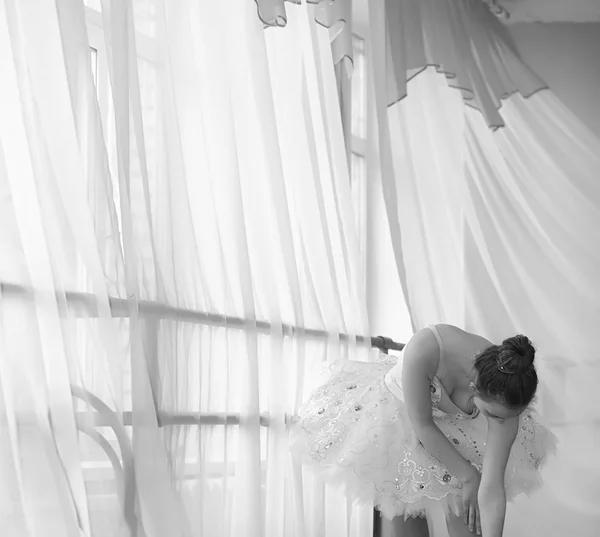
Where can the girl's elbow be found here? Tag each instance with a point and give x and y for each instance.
(423, 430)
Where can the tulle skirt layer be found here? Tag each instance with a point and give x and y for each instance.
(355, 432)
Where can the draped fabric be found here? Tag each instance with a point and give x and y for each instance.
(336, 15)
(175, 223)
(464, 40)
(496, 232)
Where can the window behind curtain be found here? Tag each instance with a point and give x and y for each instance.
(358, 143)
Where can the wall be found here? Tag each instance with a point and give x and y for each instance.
(567, 57)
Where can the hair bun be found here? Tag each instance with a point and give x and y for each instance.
(517, 354)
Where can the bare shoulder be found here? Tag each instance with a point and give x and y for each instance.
(422, 353)
(455, 337)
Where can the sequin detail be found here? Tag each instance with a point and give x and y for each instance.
(356, 427)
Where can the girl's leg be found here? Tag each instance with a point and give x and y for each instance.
(398, 527)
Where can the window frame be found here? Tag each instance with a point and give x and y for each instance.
(358, 147)
(101, 471)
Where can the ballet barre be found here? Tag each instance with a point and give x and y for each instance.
(82, 304)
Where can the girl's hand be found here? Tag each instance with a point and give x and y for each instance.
(469, 503)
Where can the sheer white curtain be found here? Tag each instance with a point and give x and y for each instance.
(171, 204)
(335, 15)
(497, 232)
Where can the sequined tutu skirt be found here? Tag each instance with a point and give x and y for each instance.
(355, 432)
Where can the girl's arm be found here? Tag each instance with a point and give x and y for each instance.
(492, 494)
(420, 364)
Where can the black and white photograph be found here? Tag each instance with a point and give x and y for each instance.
(299, 268)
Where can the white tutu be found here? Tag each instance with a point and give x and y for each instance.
(355, 431)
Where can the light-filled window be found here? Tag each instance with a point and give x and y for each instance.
(358, 143)
(359, 90)
(175, 270)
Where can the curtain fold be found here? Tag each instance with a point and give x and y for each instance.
(465, 41)
(495, 232)
(336, 15)
(192, 162)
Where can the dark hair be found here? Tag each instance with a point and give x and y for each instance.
(506, 372)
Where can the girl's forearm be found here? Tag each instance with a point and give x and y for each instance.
(492, 509)
(439, 446)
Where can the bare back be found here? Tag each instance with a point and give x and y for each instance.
(460, 350)
(454, 371)
(447, 353)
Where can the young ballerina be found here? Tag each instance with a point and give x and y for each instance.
(444, 432)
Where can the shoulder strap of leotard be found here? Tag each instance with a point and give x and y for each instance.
(436, 333)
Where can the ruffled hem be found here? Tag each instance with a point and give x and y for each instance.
(353, 433)
(362, 492)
